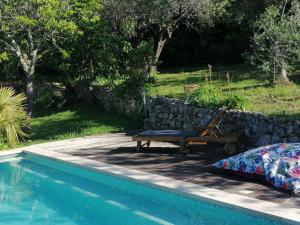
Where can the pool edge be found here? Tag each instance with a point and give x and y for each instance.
(10, 152)
(274, 210)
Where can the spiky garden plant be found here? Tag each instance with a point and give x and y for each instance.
(13, 117)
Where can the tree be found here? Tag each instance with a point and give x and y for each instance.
(28, 28)
(276, 40)
(158, 19)
(81, 58)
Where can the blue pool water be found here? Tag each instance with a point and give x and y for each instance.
(36, 190)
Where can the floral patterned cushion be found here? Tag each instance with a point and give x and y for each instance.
(279, 164)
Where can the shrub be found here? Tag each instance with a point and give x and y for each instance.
(49, 98)
(206, 96)
(234, 101)
(214, 97)
(13, 117)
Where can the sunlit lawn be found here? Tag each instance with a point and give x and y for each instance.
(88, 120)
(76, 122)
(245, 81)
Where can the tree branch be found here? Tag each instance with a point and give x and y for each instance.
(284, 6)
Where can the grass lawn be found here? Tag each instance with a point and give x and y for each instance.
(72, 123)
(86, 120)
(245, 81)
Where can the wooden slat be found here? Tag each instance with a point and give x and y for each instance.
(227, 139)
(156, 138)
(224, 139)
(213, 122)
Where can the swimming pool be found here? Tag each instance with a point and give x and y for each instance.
(39, 190)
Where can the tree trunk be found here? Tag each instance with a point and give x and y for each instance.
(28, 63)
(284, 76)
(29, 94)
(274, 73)
(29, 70)
(160, 45)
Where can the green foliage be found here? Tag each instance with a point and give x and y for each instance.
(84, 55)
(111, 42)
(81, 120)
(138, 61)
(109, 81)
(126, 67)
(102, 57)
(276, 41)
(50, 99)
(10, 70)
(214, 97)
(247, 82)
(77, 121)
(4, 56)
(29, 25)
(139, 21)
(134, 18)
(13, 117)
(234, 101)
(27, 30)
(207, 96)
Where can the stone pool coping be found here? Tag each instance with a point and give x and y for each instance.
(277, 211)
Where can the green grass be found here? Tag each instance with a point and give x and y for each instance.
(248, 82)
(72, 123)
(87, 120)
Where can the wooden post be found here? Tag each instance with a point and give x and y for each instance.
(182, 145)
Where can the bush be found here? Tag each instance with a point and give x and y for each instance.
(206, 96)
(214, 97)
(13, 117)
(49, 98)
(235, 102)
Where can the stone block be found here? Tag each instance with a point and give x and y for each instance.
(264, 140)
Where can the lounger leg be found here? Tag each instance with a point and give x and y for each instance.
(139, 146)
(148, 143)
(183, 146)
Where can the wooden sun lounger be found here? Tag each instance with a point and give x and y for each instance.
(187, 138)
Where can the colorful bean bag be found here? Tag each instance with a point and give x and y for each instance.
(279, 164)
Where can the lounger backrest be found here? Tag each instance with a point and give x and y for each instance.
(213, 122)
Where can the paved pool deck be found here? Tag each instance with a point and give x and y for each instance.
(118, 149)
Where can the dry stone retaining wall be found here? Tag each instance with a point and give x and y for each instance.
(256, 129)
(109, 101)
(163, 113)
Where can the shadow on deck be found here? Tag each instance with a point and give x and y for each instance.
(162, 159)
